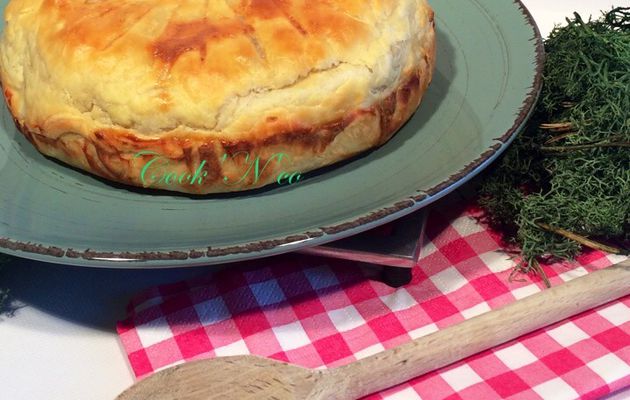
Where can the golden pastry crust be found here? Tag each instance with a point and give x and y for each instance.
(189, 95)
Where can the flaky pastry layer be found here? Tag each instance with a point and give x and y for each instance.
(207, 97)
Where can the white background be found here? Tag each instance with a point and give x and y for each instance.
(61, 343)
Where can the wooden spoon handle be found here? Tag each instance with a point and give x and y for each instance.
(485, 331)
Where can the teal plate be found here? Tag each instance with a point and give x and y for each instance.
(488, 78)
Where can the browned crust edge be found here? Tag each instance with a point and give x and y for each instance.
(109, 153)
(524, 112)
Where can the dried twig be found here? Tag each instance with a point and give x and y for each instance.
(583, 240)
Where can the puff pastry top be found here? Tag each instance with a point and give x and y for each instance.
(226, 69)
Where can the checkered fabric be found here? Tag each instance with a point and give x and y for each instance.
(322, 313)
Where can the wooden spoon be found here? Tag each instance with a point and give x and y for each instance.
(249, 377)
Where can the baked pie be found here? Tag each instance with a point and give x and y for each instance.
(213, 96)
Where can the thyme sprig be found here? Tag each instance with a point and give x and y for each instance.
(565, 183)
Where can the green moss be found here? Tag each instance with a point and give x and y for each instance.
(574, 174)
(4, 293)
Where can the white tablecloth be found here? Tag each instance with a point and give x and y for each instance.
(61, 344)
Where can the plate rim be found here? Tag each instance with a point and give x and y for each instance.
(270, 247)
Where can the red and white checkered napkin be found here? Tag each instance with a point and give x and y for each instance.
(322, 313)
